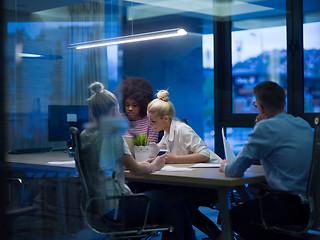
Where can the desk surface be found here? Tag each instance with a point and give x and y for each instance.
(40, 158)
(201, 177)
(55, 162)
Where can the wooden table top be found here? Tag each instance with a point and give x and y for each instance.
(202, 177)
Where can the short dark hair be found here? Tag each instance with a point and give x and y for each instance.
(138, 89)
(270, 95)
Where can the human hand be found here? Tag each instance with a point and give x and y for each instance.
(223, 164)
(170, 158)
(259, 117)
(149, 160)
(159, 162)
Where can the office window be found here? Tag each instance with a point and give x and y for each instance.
(311, 40)
(258, 53)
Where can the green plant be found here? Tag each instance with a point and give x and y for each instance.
(140, 140)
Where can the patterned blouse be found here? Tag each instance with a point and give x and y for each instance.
(142, 127)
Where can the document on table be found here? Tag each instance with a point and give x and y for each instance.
(62, 163)
(206, 165)
(168, 168)
(229, 154)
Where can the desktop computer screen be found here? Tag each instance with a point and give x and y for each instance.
(62, 117)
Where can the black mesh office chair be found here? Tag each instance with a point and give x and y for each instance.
(312, 200)
(97, 221)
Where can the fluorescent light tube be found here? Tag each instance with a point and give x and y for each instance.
(131, 38)
(29, 55)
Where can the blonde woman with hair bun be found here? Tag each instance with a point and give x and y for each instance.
(183, 145)
(180, 140)
(163, 95)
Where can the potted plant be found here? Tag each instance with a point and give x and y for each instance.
(141, 148)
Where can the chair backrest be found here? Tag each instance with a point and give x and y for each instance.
(76, 144)
(91, 201)
(313, 190)
(90, 173)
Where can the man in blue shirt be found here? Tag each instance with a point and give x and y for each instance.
(283, 144)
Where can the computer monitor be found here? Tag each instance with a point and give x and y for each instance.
(62, 117)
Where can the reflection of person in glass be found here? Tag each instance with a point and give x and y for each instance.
(283, 144)
(137, 93)
(102, 104)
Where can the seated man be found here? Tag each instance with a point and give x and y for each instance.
(283, 144)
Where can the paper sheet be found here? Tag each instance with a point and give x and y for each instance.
(63, 163)
(229, 154)
(206, 165)
(168, 168)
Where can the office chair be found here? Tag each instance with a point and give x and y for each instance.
(312, 199)
(15, 207)
(97, 221)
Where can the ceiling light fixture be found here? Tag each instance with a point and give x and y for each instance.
(29, 55)
(131, 38)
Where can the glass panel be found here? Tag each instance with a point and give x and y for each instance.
(44, 72)
(258, 52)
(237, 137)
(311, 41)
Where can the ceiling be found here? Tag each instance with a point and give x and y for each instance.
(138, 9)
(245, 13)
(31, 6)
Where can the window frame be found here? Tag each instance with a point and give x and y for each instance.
(223, 73)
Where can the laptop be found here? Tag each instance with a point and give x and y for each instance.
(229, 154)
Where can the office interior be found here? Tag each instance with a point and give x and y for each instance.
(230, 46)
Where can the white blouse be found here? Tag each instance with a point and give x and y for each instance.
(183, 140)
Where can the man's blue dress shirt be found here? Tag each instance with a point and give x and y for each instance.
(283, 143)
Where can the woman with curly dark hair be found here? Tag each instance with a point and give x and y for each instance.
(137, 92)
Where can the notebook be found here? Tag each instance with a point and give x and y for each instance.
(229, 154)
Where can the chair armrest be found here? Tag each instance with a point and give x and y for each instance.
(264, 190)
(18, 182)
(14, 180)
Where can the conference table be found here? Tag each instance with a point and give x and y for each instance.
(205, 177)
(60, 164)
(43, 164)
